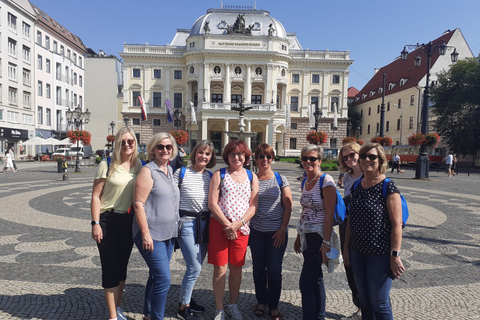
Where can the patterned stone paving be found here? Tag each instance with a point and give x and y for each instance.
(49, 265)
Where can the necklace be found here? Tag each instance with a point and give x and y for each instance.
(308, 182)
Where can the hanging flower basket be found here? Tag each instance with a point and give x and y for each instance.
(181, 136)
(432, 139)
(384, 141)
(319, 137)
(360, 142)
(349, 139)
(416, 139)
(110, 138)
(83, 136)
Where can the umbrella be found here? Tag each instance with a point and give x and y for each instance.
(37, 141)
(65, 141)
(53, 141)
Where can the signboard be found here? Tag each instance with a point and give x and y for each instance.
(9, 133)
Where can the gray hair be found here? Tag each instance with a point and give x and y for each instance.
(312, 147)
(155, 139)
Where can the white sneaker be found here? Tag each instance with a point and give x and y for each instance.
(234, 312)
(219, 315)
(120, 315)
(354, 316)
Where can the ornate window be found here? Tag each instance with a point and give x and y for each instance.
(258, 71)
(238, 70)
(217, 70)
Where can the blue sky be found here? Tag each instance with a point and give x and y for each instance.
(374, 31)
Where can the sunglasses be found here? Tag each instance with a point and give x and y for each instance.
(350, 155)
(233, 155)
(263, 157)
(369, 156)
(129, 141)
(161, 147)
(311, 159)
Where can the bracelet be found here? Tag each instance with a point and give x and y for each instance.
(243, 221)
(326, 242)
(139, 202)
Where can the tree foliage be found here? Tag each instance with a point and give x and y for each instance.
(456, 102)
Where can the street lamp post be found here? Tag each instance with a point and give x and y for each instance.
(317, 114)
(423, 162)
(178, 115)
(78, 117)
(112, 125)
(382, 110)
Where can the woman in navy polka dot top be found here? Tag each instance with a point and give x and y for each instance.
(374, 235)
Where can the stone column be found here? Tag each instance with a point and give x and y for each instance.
(206, 83)
(167, 84)
(204, 129)
(248, 86)
(269, 133)
(248, 140)
(200, 86)
(326, 82)
(227, 86)
(268, 95)
(225, 134)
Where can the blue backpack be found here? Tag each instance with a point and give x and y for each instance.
(405, 212)
(182, 175)
(340, 208)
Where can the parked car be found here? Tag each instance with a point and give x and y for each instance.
(62, 152)
(73, 151)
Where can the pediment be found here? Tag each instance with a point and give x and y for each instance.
(135, 86)
(178, 87)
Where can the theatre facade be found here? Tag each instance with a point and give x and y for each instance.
(230, 55)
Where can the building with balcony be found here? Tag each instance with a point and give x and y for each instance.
(232, 54)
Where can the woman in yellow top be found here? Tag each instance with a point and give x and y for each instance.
(112, 196)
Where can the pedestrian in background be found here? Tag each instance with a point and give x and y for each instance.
(194, 221)
(350, 166)
(112, 195)
(269, 233)
(396, 162)
(373, 236)
(454, 164)
(449, 161)
(316, 237)
(177, 162)
(8, 162)
(233, 200)
(12, 153)
(156, 200)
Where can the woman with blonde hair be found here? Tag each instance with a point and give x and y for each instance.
(156, 200)
(112, 196)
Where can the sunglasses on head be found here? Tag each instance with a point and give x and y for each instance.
(263, 157)
(369, 156)
(161, 147)
(350, 155)
(129, 141)
(311, 159)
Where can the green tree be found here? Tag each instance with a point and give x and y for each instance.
(456, 103)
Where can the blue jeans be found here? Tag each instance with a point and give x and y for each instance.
(311, 280)
(193, 254)
(158, 284)
(267, 267)
(373, 283)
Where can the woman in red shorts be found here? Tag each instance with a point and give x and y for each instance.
(233, 202)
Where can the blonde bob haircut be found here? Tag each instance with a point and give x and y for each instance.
(312, 147)
(382, 158)
(117, 155)
(204, 145)
(343, 166)
(155, 140)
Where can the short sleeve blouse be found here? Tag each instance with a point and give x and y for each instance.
(313, 207)
(369, 220)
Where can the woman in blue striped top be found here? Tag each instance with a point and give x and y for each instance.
(268, 232)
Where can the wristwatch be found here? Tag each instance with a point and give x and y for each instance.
(94, 222)
(395, 253)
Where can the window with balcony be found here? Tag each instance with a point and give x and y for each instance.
(157, 99)
(293, 103)
(256, 99)
(217, 98)
(236, 98)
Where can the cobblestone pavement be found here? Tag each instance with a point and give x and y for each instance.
(49, 265)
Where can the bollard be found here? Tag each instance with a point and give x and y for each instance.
(65, 175)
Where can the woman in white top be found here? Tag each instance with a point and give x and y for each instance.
(8, 162)
(350, 166)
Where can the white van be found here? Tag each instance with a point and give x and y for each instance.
(73, 151)
(62, 152)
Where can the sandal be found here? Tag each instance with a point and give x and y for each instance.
(259, 312)
(277, 316)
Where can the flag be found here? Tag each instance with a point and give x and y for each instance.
(142, 108)
(335, 117)
(168, 103)
(287, 116)
(311, 116)
(192, 110)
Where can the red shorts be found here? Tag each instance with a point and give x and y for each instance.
(221, 250)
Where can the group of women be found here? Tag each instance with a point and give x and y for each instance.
(223, 212)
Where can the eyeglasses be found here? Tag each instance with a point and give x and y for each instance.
(369, 156)
(238, 154)
(311, 159)
(263, 157)
(129, 141)
(161, 147)
(350, 155)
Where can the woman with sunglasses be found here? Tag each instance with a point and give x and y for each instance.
(233, 199)
(350, 167)
(373, 236)
(112, 196)
(269, 233)
(194, 221)
(315, 232)
(156, 201)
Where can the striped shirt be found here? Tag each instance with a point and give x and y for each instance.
(194, 190)
(313, 208)
(270, 210)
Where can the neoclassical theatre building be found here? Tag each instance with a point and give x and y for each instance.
(232, 54)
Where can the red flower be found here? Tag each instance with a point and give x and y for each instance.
(384, 141)
(83, 136)
(360, 142)
(181, 136)
(317, 137)
(110, 138)
(349, 139)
